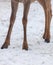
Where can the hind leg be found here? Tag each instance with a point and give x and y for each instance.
(48, 16)
(12, 20)
(24, 21)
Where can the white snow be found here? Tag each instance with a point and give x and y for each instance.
(39, 53)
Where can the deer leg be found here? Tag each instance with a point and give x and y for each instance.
(48, 16)
(12, 19)
(24, 21)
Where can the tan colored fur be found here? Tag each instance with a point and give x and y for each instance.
(46, 4)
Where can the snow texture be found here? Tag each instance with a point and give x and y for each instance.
(39, 53)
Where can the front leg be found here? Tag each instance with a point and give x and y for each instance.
(24, 21)
(25, 45)
(14, 6)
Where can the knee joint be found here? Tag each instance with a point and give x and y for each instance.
(24, 21)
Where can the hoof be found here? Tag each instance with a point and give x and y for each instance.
(46, 40)
(4, 46)
(25, 46)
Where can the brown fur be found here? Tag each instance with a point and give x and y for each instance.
(46, 4)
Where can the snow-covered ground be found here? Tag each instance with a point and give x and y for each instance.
(39, 53)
